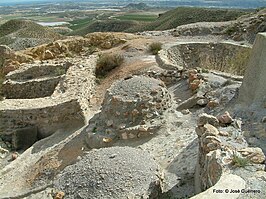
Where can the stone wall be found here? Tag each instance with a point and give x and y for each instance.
(34, 80)
(30, 89)
(68, 103)
(223, 151)
(39, 70)
(46, 116)
(224, 57)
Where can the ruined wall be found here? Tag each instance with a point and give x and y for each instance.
(30, 89)
(224, 57)
(66, 106)
(34, 80)
(223, 151)
(39, 70)
(45, 118)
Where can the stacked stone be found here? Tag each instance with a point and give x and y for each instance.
(220, 148)
(130, 109)
(167, 76)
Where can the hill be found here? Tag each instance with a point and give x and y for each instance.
(186, 15)
(112, 25)
(20, 34)
(137, 6)
(168, 20)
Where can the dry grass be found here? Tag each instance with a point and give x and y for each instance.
(155, 47)
(107, 62)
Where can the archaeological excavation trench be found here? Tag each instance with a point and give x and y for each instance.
(144, 134)
(43, 97)
(224, 57)
(35, 82)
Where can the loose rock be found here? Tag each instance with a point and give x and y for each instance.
(207, 119)
(255, 155)
(118, 165)
(225, 118)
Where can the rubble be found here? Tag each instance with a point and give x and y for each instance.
(127, 172)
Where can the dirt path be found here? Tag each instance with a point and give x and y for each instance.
(137, 58)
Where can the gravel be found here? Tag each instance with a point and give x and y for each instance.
(131, 87)
(115, 172)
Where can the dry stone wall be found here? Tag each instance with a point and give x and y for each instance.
(223, 151)
(224, 57)
(39, 70)
(45, 114)
(67, 105)
(130, 110)
(30, 89)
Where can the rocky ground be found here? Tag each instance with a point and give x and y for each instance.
(155, 127)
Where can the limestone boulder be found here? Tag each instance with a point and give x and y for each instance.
(207, 119)
(255, 155)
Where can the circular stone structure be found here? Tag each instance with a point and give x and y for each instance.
(110, 173)
(131, 109)
(134, 100)
(222, 56)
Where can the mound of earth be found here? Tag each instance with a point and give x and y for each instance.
(111, 173)
(70, 47)
(243, 29)
(21, 34)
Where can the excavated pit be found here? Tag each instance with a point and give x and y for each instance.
(42, 98)
(33, 82)
(135, 107)
(225, 57)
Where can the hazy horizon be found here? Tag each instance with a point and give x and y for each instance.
(208, 3)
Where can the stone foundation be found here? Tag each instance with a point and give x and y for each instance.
(30, 89)
(48, 96)
(129, 110)
(223, 152)
(46, 116)
(224, 57)
(34, 81)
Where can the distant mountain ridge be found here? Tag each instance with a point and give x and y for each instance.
(168, 20)
(159, 3)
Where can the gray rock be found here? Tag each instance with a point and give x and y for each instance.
(253, 89)
(202, 102)
(226, 118)
(207, 119)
